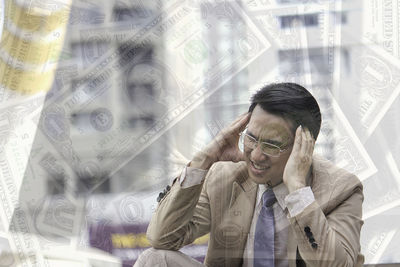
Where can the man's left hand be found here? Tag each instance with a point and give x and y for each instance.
(300, 159)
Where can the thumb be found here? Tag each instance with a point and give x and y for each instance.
(239, 156)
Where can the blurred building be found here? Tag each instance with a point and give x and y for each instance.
(126, 103)
(136, 90)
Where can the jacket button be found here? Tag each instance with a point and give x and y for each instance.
(309, 234)
(168, 188)
(307, 229)
(311, 239)
(314, 245)
(160, 196)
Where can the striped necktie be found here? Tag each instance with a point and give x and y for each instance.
(265, 231)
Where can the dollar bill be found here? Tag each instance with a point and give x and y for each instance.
(338, 137)
(20, 248)
(304, 53)
(381, 202)
(381, 197)
(30, 225)
(7, 257)
(257, 5)
(268, 20)
(17, 135)
(86, 13)
(383, 189)
(379, 238)
(262, 5)
(381, 25)
(370, 72)
(388, 130)
(67, 69)
(32, 229)
(373, 80)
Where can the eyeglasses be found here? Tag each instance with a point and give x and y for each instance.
(266, 148)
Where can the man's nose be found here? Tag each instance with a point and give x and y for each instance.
(257, 154)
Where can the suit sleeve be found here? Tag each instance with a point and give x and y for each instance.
(182, 215)
(332, 239)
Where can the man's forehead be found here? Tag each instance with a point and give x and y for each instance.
(266, 125)
(269, 131)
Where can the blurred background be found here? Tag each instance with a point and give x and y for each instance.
(102, 103)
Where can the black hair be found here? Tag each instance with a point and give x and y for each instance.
(290, 101)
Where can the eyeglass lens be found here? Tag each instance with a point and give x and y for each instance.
(266, 148)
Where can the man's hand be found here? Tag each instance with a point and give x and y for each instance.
(224, 147)
(299, 162)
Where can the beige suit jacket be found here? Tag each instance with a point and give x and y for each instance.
(224, 203)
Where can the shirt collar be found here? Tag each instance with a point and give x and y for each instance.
(280, 192)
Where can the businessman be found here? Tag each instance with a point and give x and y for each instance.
(261, 194)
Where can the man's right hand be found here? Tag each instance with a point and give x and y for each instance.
(224, 147)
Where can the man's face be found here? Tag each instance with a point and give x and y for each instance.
(266, 127)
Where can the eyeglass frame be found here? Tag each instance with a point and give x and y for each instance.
(244, 133)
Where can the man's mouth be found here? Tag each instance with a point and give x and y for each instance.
(258, 167)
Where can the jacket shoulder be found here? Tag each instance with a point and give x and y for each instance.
(331, 184)
(227, 171)
(223, 174)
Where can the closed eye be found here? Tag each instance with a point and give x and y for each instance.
(267, 141)
(269, 146)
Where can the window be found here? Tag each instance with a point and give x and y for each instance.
(92, 179)
(143, 85)
(307, 20)
(55, 184)
(121, 13)
(340, 17)
(291, 62)
(86, 16)
(296, 61)
(88, 52)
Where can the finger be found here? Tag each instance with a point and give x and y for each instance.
(230, 135)
(243, 122)
(310, 146)
(244, 118)
(297, 140)
(304, 141)
(311, 142)
(230, 129)
(239, 156)
(240, 124)
(240, 117)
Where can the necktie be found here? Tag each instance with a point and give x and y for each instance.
(265, 231)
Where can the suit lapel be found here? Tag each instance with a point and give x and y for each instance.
(238, 219)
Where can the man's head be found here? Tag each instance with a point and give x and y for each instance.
(277, 110)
